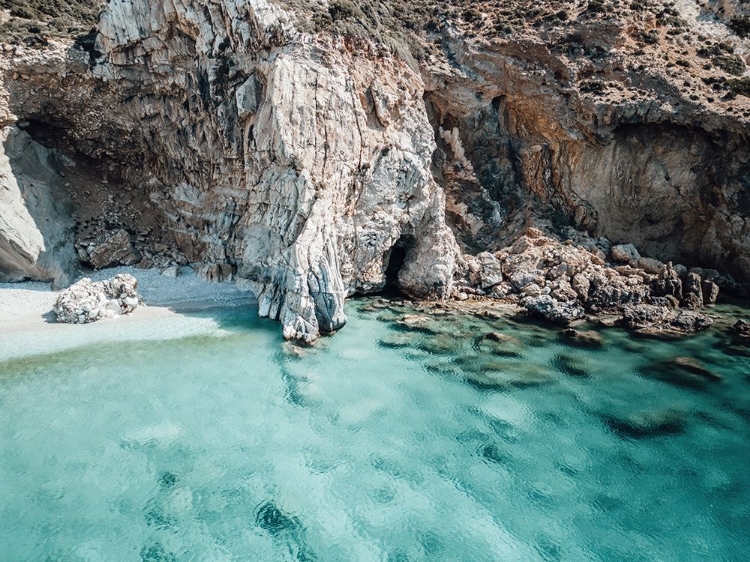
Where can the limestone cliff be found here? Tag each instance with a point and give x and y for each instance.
(316, 151)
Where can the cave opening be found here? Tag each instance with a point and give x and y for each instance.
(396, 260)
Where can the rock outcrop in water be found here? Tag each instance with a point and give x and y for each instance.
(87, 301)
(563, 282)
(255, 141)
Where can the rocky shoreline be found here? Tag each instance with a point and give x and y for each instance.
(563, 282)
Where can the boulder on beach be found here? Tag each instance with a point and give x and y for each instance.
(88, 301)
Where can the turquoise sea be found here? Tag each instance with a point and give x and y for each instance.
(214, 440)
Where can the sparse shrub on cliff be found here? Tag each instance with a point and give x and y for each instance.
(740, 86)
(596, 87)
(343, 10)
(595, 6)
(34, 21)
(741, 26)
(731, 64)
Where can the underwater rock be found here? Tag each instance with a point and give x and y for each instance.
(87, 301)
(500, 338)
(570, 365)
(398, 339)
(499, 375)
(583, 338)
(414, 321)
(694, 367)
(442, 344)
(682, 371)
(647, 424)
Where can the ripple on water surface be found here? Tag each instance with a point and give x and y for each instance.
(433, 439)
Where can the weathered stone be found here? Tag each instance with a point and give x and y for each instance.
(650, 265)
(690, 321)
(625, 253)
(693, 292)
(581, 285)
(112, 248)
(308, 162)
(710, 292)
(556, 312)
(583, 338)
(87, 301)
(668, 283)
(644, 315)
(490, 270)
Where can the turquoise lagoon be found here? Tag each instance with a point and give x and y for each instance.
(206, 437)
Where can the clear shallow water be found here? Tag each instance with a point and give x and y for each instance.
(380, 444)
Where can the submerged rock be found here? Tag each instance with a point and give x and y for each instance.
(583, 338)
(694, 367)
(647, 424)
(682, 371)
(571, 365)
(87, 301)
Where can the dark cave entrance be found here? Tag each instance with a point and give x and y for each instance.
(396, 260)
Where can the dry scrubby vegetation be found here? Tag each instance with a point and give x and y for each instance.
(33, 22)
(656, 30)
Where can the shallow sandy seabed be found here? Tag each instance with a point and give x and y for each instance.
(27, 324)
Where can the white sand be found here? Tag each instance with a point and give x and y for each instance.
(28, 327)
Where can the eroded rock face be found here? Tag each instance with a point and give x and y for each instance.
(36, 233)
(299, 164)
(295, 163)
(87, 301)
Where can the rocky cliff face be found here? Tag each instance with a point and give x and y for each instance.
(298, 164)
(316, 165)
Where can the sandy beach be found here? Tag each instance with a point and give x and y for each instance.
(28, 326)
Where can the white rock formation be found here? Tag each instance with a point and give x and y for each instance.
(322, 155)
(87, 301)
(36, 233)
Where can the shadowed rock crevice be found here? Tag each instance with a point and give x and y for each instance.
(396, 259)
(36, 229)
